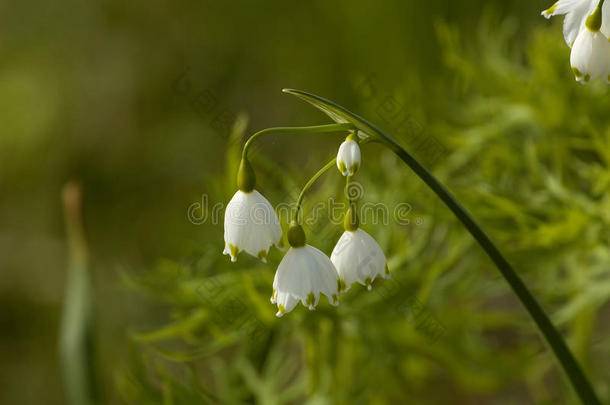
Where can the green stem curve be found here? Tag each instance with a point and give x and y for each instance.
(579, 381)
(308, 185)
(562, 352)
(317, 129)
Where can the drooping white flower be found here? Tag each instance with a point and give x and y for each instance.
(348, 157)
(586, 30)
(358, 258)
(251, 225)
(590, 57)
(303, 274)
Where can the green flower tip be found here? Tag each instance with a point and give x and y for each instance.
(296, 235)
(263, 256)
(351, 222)
(368, 283)
(577, 73)
(311, 301)
(341, 286)
(594, 20)
(246, 179)
(234, 252)
(342, 167)
(549, 11)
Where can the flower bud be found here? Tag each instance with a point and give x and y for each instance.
(296, 235)
(246, 179)
(348, 157)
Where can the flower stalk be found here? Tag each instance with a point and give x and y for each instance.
(564, 356)
(314, 129)
(308, 185)
(76, 340)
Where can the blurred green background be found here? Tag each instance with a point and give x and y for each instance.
(148, 103)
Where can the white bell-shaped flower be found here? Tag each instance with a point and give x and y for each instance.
(586, 30)
(348, 157)
(590, 57)
(251, 224)
(358, 257)
(303, 274)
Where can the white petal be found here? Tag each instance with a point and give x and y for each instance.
(285, 276)
(251, 225)
(605, 29)
(326, 277)
(348, 158)
(303, 272)
(286, 303)
(576, 12)
(345, 257)
(358, 258)
(566, 6)
(590, 56)
(574, 23)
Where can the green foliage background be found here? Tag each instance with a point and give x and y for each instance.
(148, 104)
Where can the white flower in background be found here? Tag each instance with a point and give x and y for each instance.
(358, 258)
(303, 274)
(348, 157)
(590, 57)
(586, 30)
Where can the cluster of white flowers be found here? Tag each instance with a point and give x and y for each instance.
(305, 272)
(587, 31)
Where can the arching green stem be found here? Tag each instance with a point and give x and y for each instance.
(315, 129)
(579, 381)
(308, 185)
